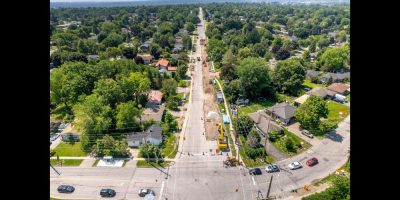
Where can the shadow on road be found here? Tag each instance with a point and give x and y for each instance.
(159, 169)
(334, 136)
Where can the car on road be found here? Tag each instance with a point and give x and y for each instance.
(306, 133)
(144, 192)
(313, 161)
(65, 189)
(107, 193)
(198, 58)
(295, 165)
(272, 168)
(255, 171)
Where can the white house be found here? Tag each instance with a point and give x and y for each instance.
(152, 135)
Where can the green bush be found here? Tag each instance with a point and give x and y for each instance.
(52, 152)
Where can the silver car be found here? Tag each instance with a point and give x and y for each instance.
(272, 168)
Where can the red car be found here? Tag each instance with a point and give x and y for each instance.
(312, 162)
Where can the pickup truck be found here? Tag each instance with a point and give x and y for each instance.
(306, 133)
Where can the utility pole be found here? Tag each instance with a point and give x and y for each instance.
(269, 187)
(54, 169)
(265, 144)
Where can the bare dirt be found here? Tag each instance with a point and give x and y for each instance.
(211, 126)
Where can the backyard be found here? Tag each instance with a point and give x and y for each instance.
(299, 144)
(69, 149)
(337, 111)
(254, 106)
(249, 162)
(308, 83)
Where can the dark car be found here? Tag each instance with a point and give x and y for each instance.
(144, 192)
(65, 189)
(312, 162)
(107, 193)
(255, 171)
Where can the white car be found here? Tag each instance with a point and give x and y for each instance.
(295, 165)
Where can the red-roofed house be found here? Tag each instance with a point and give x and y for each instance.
(162, 64)
(155, 96)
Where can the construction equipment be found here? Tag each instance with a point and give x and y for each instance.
(222, 139)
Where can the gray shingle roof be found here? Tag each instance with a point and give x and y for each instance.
(283, 110)
(312, 73)
(154, 131)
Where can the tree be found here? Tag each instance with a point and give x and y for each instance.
(289, 145)
(282, 54)
(289, 76)
(127, 113)
(111, 52)
(112, 40)
(92, 117)
(155, 50)
(309, 113)
(216, 49)
(228, 71)
(109, 90)
(108, 146)
(243, 124)
(169, 87)
(181, 71)
(190, 27)
(253, 139)
(334, 59)
(244, 53)
(149, 150)
(307, 56)
(327, 125)
(275, 48)
(254, 77)
(136, 85)
(260, 49)
(340, 188)
(233, 90)
(129, 52)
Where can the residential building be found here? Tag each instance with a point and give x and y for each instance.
(336, 77)
(162, 64)
(264, 123)
(282, 112)
(147, 58)
(339, 88)
(312, 73)
(155, 96)
(301, 99)
(153, 135)
(321, 92)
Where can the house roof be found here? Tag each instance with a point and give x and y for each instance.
(162, 62)
(154, 131)
(312, 73)
(337, 76)
(147, 57)
(321, 92)
(264, 122)
(302, 99)
(153, 111)
(171, 68)
(283, 110)
(338, 87)
(155, 95)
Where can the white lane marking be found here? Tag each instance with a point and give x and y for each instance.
(162, 189)
(254, 182)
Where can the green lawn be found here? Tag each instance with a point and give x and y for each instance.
(69, 149)
(169, 149)
(280, 143)
(145, 164)
(254, 106)
(307, 83)
(337, 111)
(66, 162)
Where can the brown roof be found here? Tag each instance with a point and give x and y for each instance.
(338, 87)
(171, 68)
(146, 57)
(302, 99)
(155, 96)
(321, 92)
(264, 122)
(162, 62)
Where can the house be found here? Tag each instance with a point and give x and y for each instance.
(162, 64)
(283, 112)
(146, 45)
(339, 88)
(336, 77)
(321, 92)
(177, 47)
(301, 99)
(92, 57)
(153, 135)
(264, 123)
(312, 73)
(155, 96)
(147, 58)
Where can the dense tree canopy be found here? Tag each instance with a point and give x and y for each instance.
(289, 75)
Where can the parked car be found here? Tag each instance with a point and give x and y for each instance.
(144, 192)
(107, 193)
(295, 165)
(313, 161)
(255, 171)
(306, 133)
(65, 189)
(198, 58)
(307, 89)
(242, 101)
(340, 98)
(272, 168)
